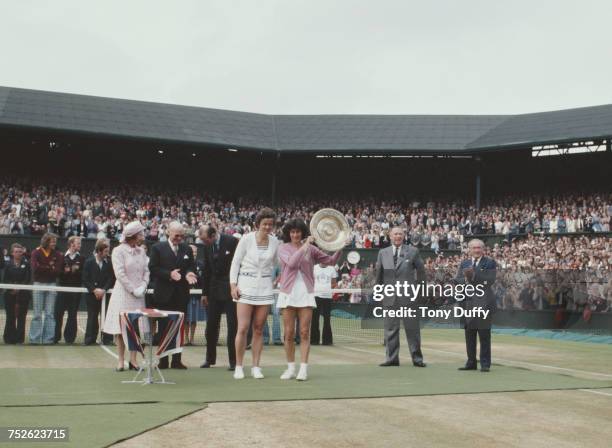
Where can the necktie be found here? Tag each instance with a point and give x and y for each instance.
(395, 250)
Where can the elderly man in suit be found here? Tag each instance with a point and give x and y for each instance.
(172, 269)
(400, 263)
(478, 270)
(216, 296)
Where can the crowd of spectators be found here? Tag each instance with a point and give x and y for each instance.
(538, 232)
(534, 272)
(92, 210)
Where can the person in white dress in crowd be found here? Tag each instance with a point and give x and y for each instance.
(296, 297)
(131, 267)
(251, 282)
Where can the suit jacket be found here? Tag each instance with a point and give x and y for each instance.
(94, 277)
(217, 264)
(21, 274)
(484, 274)
(409, 268)
(161, 263)
(72, 278)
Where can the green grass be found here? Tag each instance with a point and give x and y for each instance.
(90, 386)
(100, 410)
(95, 425)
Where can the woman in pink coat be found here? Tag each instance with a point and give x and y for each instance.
(297, 257)
(131, 267)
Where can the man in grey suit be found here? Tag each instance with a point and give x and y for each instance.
(400, 263)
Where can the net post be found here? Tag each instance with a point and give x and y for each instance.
(102, 317)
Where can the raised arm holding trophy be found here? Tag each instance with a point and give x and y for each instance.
(298, 256)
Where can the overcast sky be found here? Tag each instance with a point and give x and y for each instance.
(317, 56)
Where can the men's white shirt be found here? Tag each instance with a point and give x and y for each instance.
(323, 281)
(396, 250)
(71, 255)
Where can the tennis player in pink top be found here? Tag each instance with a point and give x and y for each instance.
(297, 257)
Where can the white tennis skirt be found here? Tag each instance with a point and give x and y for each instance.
(256, 300)
(299, 296)
(254, 291)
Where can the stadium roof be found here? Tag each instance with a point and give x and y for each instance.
(450, 134)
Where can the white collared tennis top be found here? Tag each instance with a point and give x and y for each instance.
(252, 268)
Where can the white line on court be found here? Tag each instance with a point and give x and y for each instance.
(546, 366)
(596, 392)
(108, 350)
(102, 346)
(506, 361)
(539, 365)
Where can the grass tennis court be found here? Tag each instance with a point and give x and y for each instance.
(61, 384)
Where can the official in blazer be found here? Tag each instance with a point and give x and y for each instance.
(172, 268)
(216, 293)
(98, 277)
(478, 270)
(400, 263)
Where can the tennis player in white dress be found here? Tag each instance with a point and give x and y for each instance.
(297, 257)
(131, 267)
(251, 282)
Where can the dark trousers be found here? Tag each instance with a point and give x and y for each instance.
(94, 308)
(174, 305)
(215, 309)
(16, 307)
(67, 301)
(485, 346)
(323, 309)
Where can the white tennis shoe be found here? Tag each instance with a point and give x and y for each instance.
(256, 373)
(303, 373)
(288, 374)
(238, 373)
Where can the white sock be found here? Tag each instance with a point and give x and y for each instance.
(303, 367)
(291, 366)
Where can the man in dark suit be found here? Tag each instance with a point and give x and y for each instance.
(72, 273)
(478, 270)
(400, 263)
(218, 253)
(98, 278)
(173, 272)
